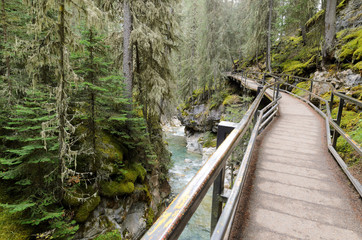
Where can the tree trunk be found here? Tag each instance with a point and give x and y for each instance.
(304, 34)
(61, 98)
(7, 58)
(269, 36)
(127, 50)
(330, 31)
(92, 93)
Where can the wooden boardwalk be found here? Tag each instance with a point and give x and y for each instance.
(297, 190)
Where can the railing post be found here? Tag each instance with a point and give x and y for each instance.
(223, 130)
(277, 95)
(310, 90)
(338, 121)
(331, 101)
(264, 79)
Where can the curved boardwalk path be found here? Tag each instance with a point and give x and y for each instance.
(297, 190)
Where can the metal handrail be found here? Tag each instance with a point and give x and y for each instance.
(174, 219)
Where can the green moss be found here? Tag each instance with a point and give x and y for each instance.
(141, 171)
(72, 199)
(209, 140)
(10, 227)
(114, 235)
(313, 20)
(231, 99)
(356, 92)
(87, 207)
(342, 5)
(109, 148)
(145, 189)
(114, 188)
(150, 217)
(351, 45)
(303, 85)
(358, 66)
(297, 67)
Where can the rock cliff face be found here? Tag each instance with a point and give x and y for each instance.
(200, 118)
(350, 16)
(202, 112)
(131, 214)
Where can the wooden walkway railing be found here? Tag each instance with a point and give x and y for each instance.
(172, 222)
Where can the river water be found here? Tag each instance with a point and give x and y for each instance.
(180, 174)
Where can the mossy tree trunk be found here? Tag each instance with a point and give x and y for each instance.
(330, 31)
(7, 57)
(61, 97)
(269, 36)
(127, 50)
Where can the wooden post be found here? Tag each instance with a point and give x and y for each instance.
(223, 131)
(331, 102)
(310, 90)
(338, 121)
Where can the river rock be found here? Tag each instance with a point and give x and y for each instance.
(192, 141)
(349, 79)
(187, 160)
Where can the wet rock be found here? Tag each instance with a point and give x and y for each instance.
(135, 223)
(193, 144)
(207, 152)
(187, 160)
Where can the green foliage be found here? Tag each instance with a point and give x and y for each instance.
(114, 235)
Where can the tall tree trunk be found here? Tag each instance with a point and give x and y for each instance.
(7, 58)
(92, 93)
(304, 34)
(269, 36)
(127, 50)
(61, 98)
(330, 31)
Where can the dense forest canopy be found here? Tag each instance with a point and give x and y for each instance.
(84, 84)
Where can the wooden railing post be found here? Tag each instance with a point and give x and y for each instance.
(338, 121)
(223, 130)
(331, 102)
(310, 90)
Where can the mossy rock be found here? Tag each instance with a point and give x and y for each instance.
(87, 207)
(231, 99)
(134, 172)
(150, 217)
(73, 199)
(358, 67)
(113, 235)
(108, 148)
(351, 45)
(114, 188)
(303, 85)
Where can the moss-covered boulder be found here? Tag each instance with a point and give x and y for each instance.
(114, 188)
(86, 208)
